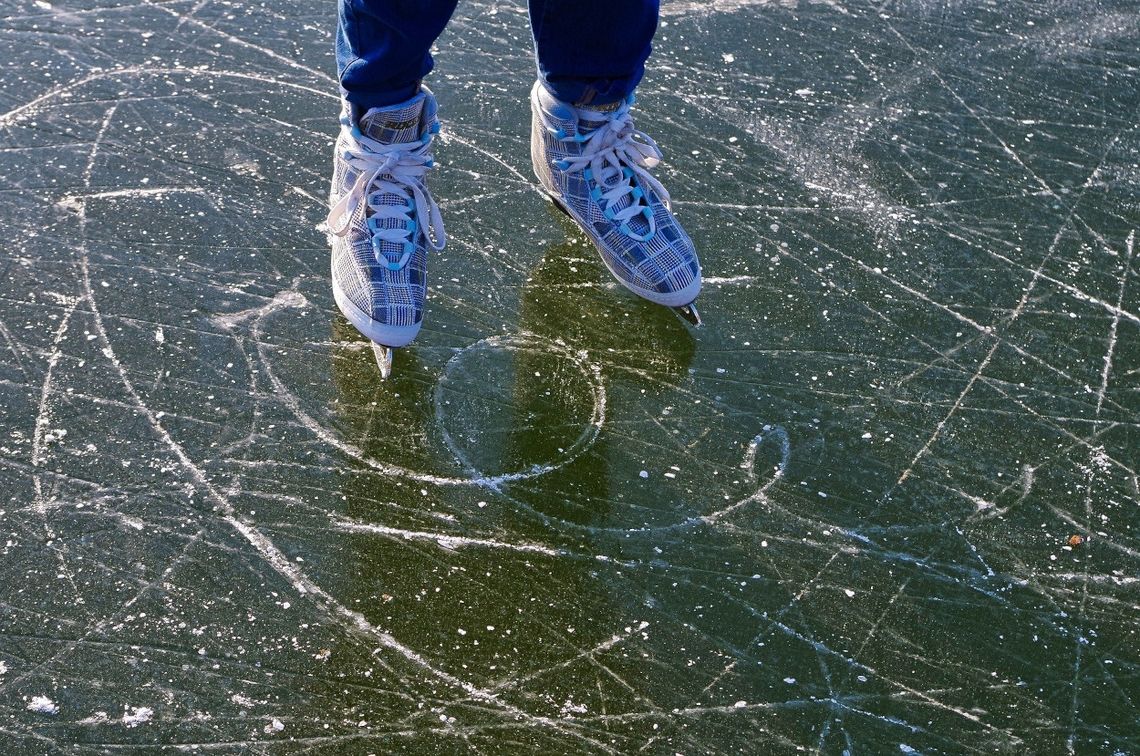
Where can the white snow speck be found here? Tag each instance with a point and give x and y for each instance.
(43, 705)
(159, 336)
(867, 435)
(137, 715)
(789, 680)
(728, 57)
(275, 726)
(805, 92)
(906, 749)
(3, 668)
(644, 473)
(850, 593)
(740, 704)
(572, 708)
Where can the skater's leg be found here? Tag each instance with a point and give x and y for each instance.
(589, 157)
(383, 221)
(592, 52)
(382, 48)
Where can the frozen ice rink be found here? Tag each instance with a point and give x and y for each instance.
(884, 501)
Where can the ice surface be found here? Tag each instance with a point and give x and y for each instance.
(885, 500)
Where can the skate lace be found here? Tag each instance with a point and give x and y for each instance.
(390, 169)
(616, 157)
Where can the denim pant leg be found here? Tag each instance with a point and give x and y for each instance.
(592, 52)
(382, 48)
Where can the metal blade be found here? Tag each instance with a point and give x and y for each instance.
(384, 356)
(689, 313)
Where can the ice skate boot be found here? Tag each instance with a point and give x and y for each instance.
(383, 221)
(595, 167)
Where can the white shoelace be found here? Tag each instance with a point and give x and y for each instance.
(390, 169)
(616, 151)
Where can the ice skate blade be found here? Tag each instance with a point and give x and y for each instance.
(689, 313)
(384, 356)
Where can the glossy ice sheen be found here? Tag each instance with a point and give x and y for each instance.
(883, 501)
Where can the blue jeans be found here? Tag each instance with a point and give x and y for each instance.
(590, 52)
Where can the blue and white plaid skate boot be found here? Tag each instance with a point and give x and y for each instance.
(595, 166)
(383, 221)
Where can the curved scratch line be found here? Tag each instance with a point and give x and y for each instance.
(292, 298)
(524, 340)
(748, 463)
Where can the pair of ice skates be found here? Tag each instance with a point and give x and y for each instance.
(592, 164)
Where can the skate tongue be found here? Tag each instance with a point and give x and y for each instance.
(591, 117)
(398, 124)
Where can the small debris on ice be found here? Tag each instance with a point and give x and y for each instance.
(275, 726)
(572, 708)
(137, 715)
(43, 705)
